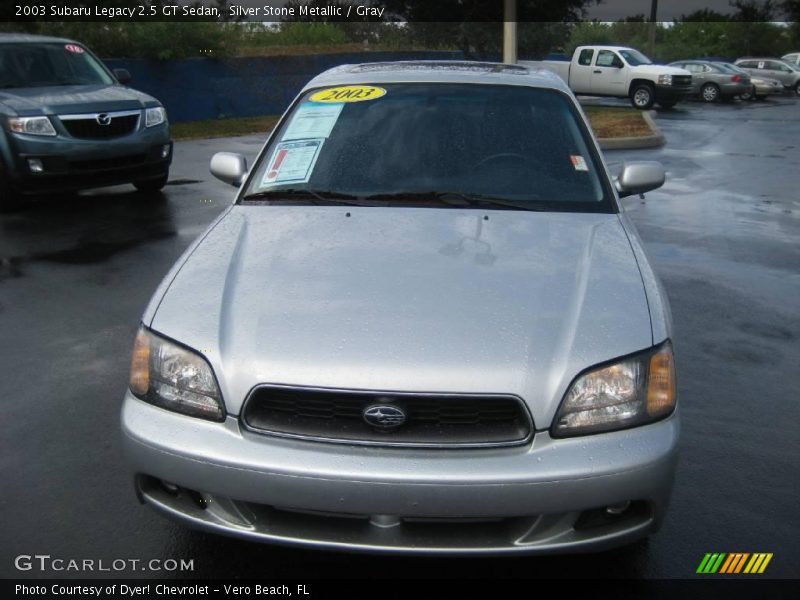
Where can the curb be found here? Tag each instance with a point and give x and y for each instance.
(646, 141)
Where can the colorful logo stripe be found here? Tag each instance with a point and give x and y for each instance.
(734, 563)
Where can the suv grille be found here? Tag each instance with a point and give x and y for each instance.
(432, 420)
(89, 127)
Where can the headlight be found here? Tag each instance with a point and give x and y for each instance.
(154, 116)
(172, 377)
(665, 79)
(32, 125)
(634, 391)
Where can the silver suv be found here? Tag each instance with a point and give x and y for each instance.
(425, 325)
(773, 68)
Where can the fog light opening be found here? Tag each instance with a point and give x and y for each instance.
(165, 151)
(35, 165)
(618, 509)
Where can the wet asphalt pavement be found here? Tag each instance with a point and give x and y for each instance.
(724, 235)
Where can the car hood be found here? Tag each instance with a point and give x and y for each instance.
(408, 299)
(71, 99)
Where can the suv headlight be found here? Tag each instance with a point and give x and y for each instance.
(665, 79)
(154, 116)
(31, 125)
(173, 377)
(633, 391)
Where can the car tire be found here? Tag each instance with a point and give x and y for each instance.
(709, 92)
(643, 96)
(667, 104)
(797, 88)
(152, 186)
(749, 95)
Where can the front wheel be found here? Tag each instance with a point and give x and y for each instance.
(152, 185)
(748, 95)
(797, 88)
(642, 96)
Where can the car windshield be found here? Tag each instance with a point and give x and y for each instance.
(51, 64)
(513, 147)
(635, 58)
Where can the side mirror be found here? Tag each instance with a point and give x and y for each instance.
(639, 177)
(229, 167)
(617, 64)
(123, 76)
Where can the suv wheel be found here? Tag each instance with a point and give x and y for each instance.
(709, 93)
(151, 185)
(642, 96)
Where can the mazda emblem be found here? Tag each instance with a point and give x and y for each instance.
(384, 416)
(103, 119)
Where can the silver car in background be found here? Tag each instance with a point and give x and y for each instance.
(772, 68)
(712, 81)
(426, 325)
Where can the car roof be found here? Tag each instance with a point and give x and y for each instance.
(436, 71)
(26, 38)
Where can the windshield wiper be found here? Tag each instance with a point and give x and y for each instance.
(314, 196)
(461, 199)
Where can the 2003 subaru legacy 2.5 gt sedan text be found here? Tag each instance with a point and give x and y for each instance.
(425, 325)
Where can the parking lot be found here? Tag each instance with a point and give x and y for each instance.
(724, 234)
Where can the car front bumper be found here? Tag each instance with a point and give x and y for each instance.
(547, 496)
(71, 164)
(767, 89)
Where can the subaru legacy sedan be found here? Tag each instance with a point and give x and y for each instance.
(425, 325)
(69, 123)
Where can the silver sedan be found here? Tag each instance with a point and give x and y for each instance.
(712, 81)
(425, 325)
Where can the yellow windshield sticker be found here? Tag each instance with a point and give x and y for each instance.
(349, 93)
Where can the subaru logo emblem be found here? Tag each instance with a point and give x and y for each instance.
(384, 416)
(103, 119)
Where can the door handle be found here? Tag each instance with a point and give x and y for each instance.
(598, 71)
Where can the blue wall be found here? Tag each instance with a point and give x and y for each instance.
(195, 89)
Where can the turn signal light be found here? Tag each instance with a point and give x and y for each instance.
(661, 392)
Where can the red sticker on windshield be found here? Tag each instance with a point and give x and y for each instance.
(74, 48)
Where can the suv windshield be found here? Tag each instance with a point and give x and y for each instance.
(442, 144)
(635, 58)
(51, 64)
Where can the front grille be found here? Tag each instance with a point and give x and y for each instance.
(681, 80)
(432, 420)
(88, 127)
(119, 162)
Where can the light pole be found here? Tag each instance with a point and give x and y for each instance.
(510, 31)
(653, 25)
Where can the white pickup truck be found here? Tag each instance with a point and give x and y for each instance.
(621, 72)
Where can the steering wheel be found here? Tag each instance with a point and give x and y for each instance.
(502, 156)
